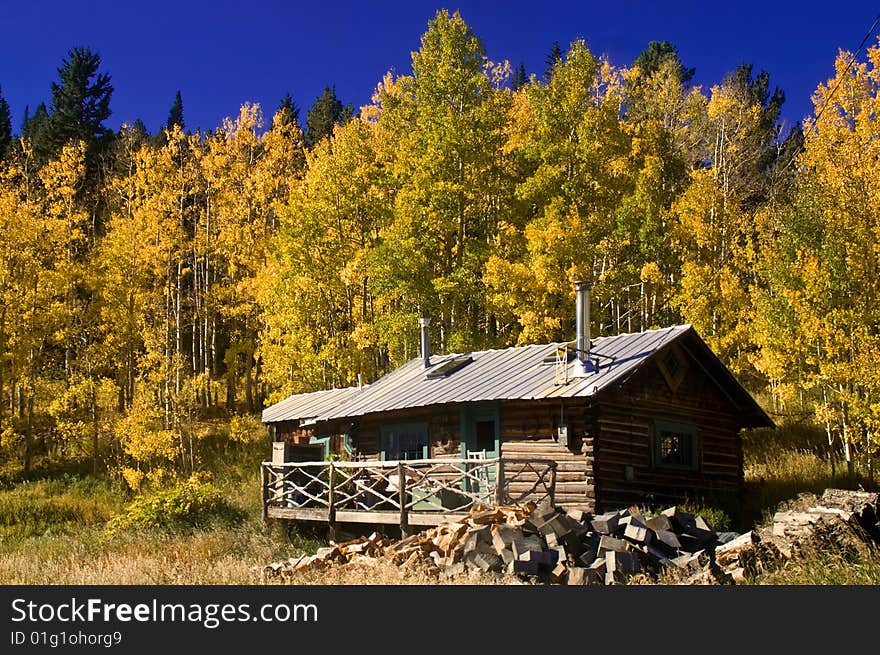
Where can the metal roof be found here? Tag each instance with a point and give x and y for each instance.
(303, 406)
(518, 373)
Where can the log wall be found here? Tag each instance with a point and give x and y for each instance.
(624, 437)
(528, 429)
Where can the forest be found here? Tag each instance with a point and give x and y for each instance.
(150, 282)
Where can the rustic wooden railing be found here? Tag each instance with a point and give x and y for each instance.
(418, 492)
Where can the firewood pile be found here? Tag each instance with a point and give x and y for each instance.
(546, 544)
(840, 521)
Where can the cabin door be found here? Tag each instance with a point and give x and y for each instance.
(480, 429)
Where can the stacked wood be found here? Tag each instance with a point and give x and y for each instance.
(576, 548)
(840, 521)
(449, 549)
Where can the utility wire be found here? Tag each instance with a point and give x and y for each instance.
(827, 102)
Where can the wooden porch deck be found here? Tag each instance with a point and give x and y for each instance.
(406, 493)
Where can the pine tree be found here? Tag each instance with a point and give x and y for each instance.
(519, 77)
(651, 60)
(175, 115)
(80, 101)
(553, 58)
(288, 110)
(5, 126)
(327, 112)
(35, 129)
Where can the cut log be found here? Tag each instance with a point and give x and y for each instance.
(559, 573)
(660, 522)
(525, 567)
(622, 562)
(668, 539)
(577, 576)
(638, 534)
(605, 523)
(680, 519)
(607, 544)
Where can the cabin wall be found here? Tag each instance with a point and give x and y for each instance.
(529, 430)
(624, 438)
(443, 430)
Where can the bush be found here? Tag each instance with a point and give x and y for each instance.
(715, 516)
(47, 506)
(193, 503)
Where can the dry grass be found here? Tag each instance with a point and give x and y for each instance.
(386, 573)
(230, 556)
(822, 568)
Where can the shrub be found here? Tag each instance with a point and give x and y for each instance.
(715, 516)
(192, 503)
(246, 429)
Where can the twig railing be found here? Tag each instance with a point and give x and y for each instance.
(322, 490)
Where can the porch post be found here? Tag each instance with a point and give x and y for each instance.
(499, 482)
(401, 490)
(331, 505)
(264, 491)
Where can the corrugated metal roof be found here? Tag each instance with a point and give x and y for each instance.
(510, 374)
(307, 405)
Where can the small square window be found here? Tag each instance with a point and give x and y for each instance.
(404, 441)
(675, 445)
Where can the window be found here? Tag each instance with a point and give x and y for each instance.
(484, 435)
(324, 441)
(675, 445)
(405, 441)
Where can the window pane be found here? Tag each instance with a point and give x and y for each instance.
(485, 435)
(675, 445)
(401, 442)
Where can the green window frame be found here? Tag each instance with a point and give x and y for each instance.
(403, 441)
(676, 446)
(324, 440)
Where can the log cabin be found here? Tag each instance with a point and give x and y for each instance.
(650, 418)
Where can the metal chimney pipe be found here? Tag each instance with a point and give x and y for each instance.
(426, 341)
(582, 325)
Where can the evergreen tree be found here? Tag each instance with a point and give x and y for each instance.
(35, 129)
(288, 110)
(175, 115)
(651, 60)
(519, 77)
(553, 58)
(5, 126)
(138, 127)
(80, 101)
(327, 111)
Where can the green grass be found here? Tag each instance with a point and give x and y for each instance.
(56, 506)
(54, 531)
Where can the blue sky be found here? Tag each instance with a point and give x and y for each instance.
(221, 54)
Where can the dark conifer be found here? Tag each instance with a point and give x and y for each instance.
(519, 78)
(324, 114)
(80, 101)
(5, 127)
(655, 54)
(175, 115)
(288, 110)
(553, 58)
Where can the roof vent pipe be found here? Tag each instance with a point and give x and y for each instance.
(583, 365)
(426, 341)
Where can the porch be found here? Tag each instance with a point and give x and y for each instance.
(419, 492)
